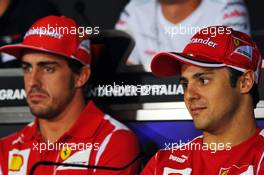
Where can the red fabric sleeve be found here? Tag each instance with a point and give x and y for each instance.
(126, 148)
(150, 168)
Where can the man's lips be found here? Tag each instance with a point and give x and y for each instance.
(37, 96)
(197, 110)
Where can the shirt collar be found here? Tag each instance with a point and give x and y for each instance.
(88, 122)
(85, 126)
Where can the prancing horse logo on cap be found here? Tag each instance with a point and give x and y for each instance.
(236, 41)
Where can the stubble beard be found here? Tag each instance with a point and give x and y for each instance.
(55, 107)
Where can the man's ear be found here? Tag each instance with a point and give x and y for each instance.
(246, 81)
(82, 77)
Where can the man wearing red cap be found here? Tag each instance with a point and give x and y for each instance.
(220, 71)
(55, 62)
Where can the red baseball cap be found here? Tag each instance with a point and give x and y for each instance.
(57, 35)
(215, 46)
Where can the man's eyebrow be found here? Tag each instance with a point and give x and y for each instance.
(45, 63)
(41, 63)
(25, 63)
(197, 75)
(181, 79)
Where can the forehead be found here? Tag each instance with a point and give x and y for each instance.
(36, 57)
(189, 71)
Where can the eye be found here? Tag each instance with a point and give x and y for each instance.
(184, 84)
(203, 80)
(26, 68)
(49, 69)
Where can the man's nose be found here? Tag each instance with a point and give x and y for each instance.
(34, 78)
(191, 93)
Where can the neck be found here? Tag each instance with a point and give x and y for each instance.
(241, 127)
(3, 6)
(53, 129)
(178, 10)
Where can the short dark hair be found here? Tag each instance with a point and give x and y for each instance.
(74, 65)
(234, 75)
(76, 68)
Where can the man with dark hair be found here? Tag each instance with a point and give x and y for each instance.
(220, 73)
(234, 76)
(55, 61)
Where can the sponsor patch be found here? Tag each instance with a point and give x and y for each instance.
(181, 159)
(17, 162)
(204, 41)
(224, 172)
(242, 170)
(236, 41)
(65, 153)
(171, 171)
(79, 157)
(246, 51)
(42, 31)
(86, 46)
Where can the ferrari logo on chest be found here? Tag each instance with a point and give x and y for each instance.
(65, 153)
(224, 172)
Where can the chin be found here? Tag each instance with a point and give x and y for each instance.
(200, 125)
(42, 113)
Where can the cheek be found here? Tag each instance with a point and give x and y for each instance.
(186, 101)
(60, 86)
(222, 97)
(26, 84)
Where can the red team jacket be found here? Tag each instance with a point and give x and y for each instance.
(243, 159)
(95, 139)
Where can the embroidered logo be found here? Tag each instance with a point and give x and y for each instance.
(236, 41)
(16, 162)
(204, 41)
(246, 51)
(79, 157)
(181, 159)
(171, 171)
(65, 153)
(234, 169)
(224, 172)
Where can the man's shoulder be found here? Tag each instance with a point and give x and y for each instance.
(116, 142)
(123, 141)
(117, 125)
(176, 156)
(260, 140)
(16, 137)
(116, 130)
(261, 133)
(178, 150)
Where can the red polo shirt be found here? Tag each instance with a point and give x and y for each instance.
(95, 139)
(195, 158)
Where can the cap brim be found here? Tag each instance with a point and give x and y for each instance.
(166, 64)
(16, 51)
